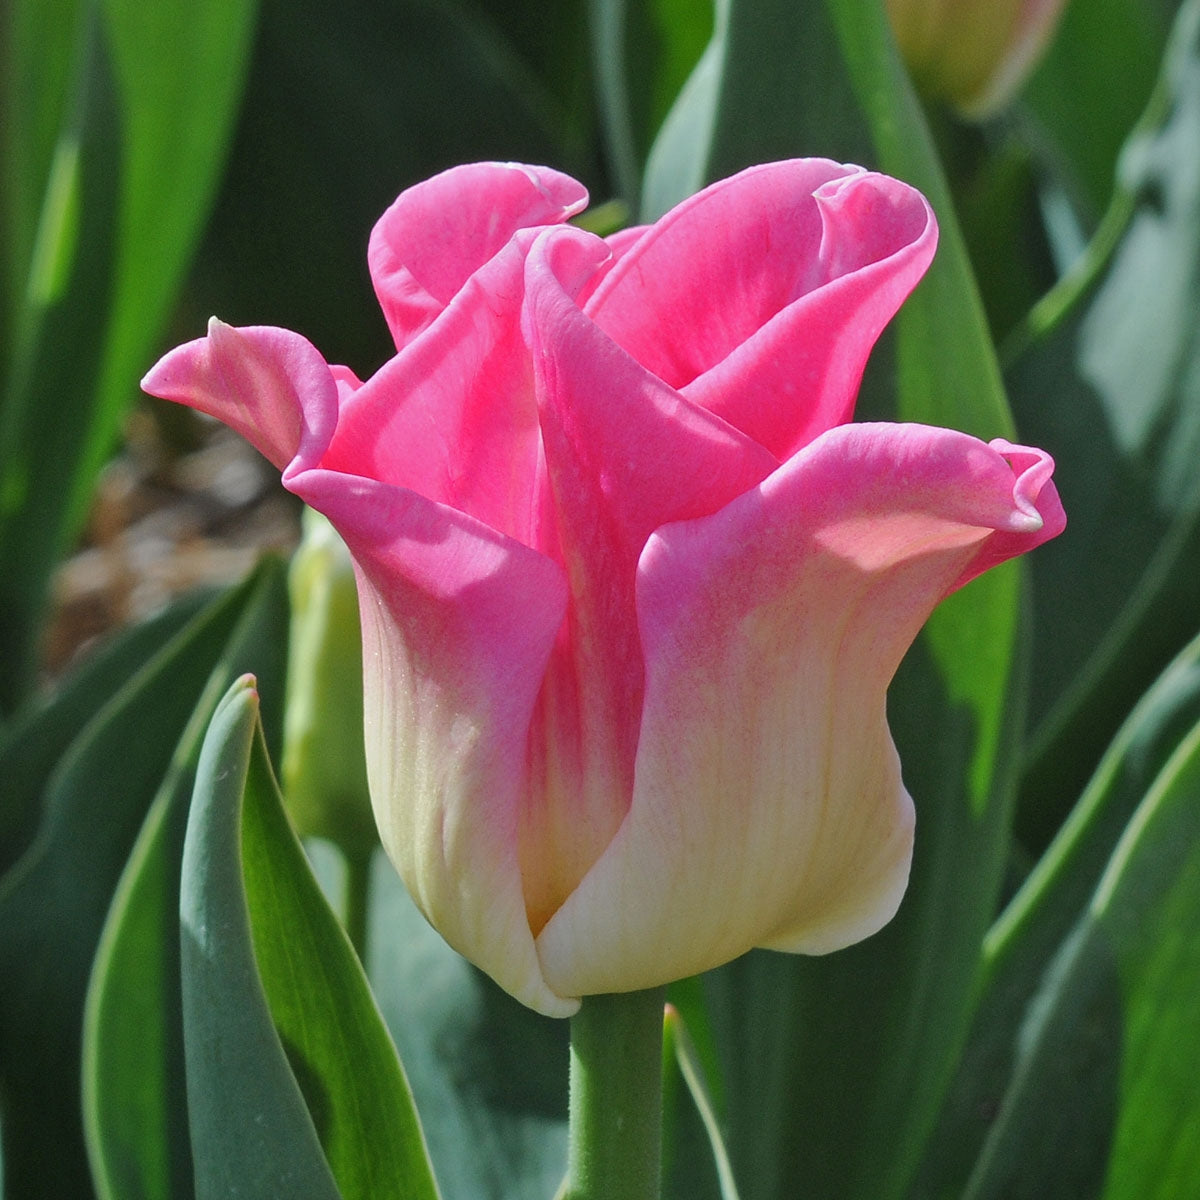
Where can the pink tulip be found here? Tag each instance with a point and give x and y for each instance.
(632, 587)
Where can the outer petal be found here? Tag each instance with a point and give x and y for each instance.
(271, 385)
(624, 453)
(439, 232)
(762, 296)
(458, 622)
(768, 807)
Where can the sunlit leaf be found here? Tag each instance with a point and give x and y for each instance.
(293, 1084)
(1103, 1100)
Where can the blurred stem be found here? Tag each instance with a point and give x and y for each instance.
(356, 900)
(615, 1133)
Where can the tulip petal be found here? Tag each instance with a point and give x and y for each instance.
(768, 808)
(439, 232)
(761, 296)
(624, 454)
(453, 414)
(271, 385)
(457, 622)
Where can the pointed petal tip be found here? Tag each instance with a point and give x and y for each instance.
(1037, 507)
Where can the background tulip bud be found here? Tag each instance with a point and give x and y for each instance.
(324, 766)
(974, 54)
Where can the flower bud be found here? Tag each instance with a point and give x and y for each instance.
(324, 769)
(974, 54)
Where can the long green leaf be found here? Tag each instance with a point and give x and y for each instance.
(1103, 1099)
(486, 1072)
(41, 734)
(135, 1109)
(643, 53)
(102, 233)
(54, 899)
(1035, 925)
(1089, 90)
(293, 1084)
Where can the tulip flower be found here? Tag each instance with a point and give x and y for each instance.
(632, 583)
(973, 53)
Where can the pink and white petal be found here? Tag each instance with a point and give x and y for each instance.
(800, 373)
(624, 453)
(458, 622)
(271, 385)
(453, 414)
(439, 232)
(768, 807)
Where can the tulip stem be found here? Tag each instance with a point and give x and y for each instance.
(615, 1133)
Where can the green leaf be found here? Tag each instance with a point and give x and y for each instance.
(293, 1084)
(39, 736)
(124, 161)
(835, 1067)
(1111, 393)
(135, 1109)
(1038, 921)
(54, 899)
(1103, 1099)
(135, 1104)
(679, 1046)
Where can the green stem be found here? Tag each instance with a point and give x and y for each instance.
(615, 1134)
(356, 901)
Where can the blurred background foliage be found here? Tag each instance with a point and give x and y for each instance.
(1023, 1028)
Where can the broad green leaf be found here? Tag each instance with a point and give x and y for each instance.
(1103, 1100)
(125, 160)
(1111, 392)
(835, 1067)
(293, 1084)
(1037, 922)
(54, 899)
(135, 1109)
(486, 1072)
